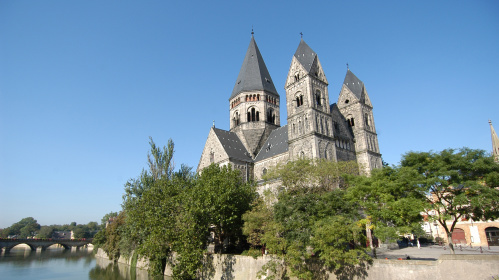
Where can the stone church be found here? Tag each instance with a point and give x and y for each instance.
(315, 128)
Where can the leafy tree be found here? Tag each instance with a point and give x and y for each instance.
(456, 184)
(308, 175)
(45, 232)
(297, 227)
(106, 218)
(223, 197)
(113, 237)
(388, 200)
(26, 227)
(259, 219)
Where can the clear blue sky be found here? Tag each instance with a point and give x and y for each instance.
(83, 84)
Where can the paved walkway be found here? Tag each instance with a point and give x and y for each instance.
(433, 252)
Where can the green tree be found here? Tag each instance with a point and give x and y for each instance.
(45, 232)
(113, 237)
(389, 201)
(223, 197)
(25, 228)
(297, 227)
(106, 218)
(456, 184)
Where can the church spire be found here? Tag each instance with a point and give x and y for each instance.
(495, 142)
(305, 55)
(253, 74)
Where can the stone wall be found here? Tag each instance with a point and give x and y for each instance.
(447, 267)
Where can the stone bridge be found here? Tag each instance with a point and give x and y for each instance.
(7, 244)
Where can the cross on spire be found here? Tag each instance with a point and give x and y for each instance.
(301, 34)
(348, 68)
(252, 30)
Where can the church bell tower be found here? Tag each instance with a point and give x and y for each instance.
(254, 102)
(307, 100)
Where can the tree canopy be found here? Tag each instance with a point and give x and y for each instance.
(456, 184)
(309, 223)
(169, 216)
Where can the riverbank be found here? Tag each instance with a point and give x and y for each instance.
(445, 266)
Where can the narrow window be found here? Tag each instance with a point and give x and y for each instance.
(257, 116)
(253, 115)
(318, 98)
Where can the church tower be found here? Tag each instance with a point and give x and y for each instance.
(254, 102)
(309, 120)
(495, 142)
(356, 107)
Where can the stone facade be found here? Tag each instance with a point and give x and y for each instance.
(256, 141)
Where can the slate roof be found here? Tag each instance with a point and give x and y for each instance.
(232, 145)
(276, 144)
(253, 74)
(305, 55)
(354, 84)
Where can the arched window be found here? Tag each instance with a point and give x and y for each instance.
(299, 101)
(351, 122)
(366, 118)
(236, 118)
(270, 116)
(258, 97)
(318, 98)
(253, 115)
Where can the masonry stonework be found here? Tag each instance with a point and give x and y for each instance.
(316, 129)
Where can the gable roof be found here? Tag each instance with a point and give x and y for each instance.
(354, 84)
(305, 55)
(276, 144)
(253, 74)
(232, 145)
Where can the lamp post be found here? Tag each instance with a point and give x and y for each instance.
(436, 226)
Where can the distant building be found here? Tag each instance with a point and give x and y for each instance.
(66, 234)
(315, 128)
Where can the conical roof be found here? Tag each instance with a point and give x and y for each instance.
(253, 74)
(495, 142)
(354, 84)
(305, 55)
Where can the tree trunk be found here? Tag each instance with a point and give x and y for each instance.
(451, 245)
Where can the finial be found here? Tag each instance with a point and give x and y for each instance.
(213, 123)
(301, 34)
(490, 122)
(252, 30)
(348, 68)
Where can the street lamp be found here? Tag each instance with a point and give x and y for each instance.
(435, 224)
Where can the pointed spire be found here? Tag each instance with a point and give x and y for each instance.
(305, 55)
(495, 142)
(354, 83)
(253, 74)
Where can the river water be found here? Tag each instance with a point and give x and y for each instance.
(22, 263)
